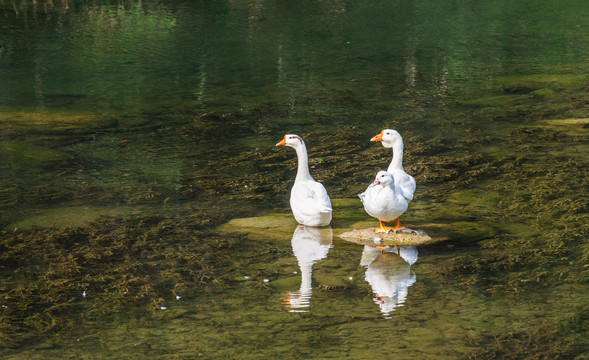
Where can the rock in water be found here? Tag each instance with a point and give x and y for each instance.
(405, 237)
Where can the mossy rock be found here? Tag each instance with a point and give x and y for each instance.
(541, 81)
(545, 93)
(22, 153)
(464, 205)
(279, 226)
(404, 237)
(55, 120)
(463, 232)
(573, 126)
(496, 100)
(346, 203)
(282, 225)
(72, 216)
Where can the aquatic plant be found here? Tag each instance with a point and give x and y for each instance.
(110, 267)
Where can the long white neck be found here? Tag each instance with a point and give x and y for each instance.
(303, 160)
(397, 162)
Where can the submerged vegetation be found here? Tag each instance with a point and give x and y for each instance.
(133, 265)
(53, 278)
(136, 137)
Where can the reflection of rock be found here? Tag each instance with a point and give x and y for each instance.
(309, 245)
(389, 274)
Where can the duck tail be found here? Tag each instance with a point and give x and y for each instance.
(362, 196)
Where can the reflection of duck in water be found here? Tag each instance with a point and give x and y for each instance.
(390, 276)
(309, 245)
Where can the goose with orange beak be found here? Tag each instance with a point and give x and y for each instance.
(383, 201)
(309, 201)
(405, 182)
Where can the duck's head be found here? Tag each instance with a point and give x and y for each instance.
(389, 138)
(291, 140)
(384, 178)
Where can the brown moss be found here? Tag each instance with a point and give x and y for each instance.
(546, 191)
(565, 339)
(128, 265)
(131, 265)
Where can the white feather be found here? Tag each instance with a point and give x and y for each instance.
(309, 201)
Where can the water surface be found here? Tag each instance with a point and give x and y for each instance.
(145, 210)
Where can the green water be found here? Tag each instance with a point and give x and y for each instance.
(144, 208)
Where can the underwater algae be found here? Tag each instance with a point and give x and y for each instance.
(529, 182)
(510, 188)
(54, 278)
(534, 182)
(13, 120)
(132, 265)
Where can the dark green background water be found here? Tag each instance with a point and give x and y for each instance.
(131, 133)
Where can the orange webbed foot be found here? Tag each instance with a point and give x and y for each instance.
(397, 226)
(384, 228)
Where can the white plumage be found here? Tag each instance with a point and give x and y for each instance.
(309, 201)
(384, 201)
(405, 182)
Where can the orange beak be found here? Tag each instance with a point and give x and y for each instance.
(377, 137)
(282, 142)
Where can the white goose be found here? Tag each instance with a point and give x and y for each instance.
(309, 201)
(383, 200)
(405, 182)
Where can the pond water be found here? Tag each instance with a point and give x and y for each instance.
(144, 207)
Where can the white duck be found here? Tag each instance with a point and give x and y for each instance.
(309, 201)
(405, 182)
(383, 200)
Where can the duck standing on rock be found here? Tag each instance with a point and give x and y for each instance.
(309, 201)
(384, 201)
(405, 182)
